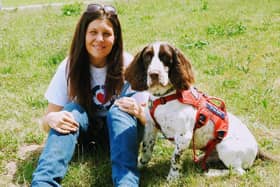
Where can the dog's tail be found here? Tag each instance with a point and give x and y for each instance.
(266, 156)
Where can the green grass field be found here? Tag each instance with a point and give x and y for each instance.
(234, 47)
(16, 3)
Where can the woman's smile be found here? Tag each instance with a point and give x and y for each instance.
(99, 41)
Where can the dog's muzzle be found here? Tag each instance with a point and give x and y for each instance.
(156, 79)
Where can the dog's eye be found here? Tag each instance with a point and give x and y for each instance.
(147, 57)
(166, 59)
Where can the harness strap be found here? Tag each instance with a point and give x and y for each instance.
(209, 148)
(190, 96)
(220, 131)
(160, 101)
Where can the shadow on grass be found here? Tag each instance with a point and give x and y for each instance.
(155, 174)
(89, 167)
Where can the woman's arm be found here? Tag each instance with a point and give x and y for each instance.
(61, 121)
(45, 121)
(141, 114)
(129, 105)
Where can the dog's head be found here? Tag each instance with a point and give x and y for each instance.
(159, 67)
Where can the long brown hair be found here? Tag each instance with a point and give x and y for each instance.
(78, 66)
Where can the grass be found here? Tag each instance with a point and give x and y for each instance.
(234, 47)
(16, 3)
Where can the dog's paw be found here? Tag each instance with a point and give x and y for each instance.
(173, 175)
(239, 171)
(216, 172)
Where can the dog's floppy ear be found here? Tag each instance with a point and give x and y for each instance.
(181, 74)
(136, 73)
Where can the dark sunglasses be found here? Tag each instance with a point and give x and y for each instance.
(97, 7)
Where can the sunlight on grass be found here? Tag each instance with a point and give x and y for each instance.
(234, 47)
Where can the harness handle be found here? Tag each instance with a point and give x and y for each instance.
(222, 103)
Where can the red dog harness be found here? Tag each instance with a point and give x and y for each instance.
(206, 110)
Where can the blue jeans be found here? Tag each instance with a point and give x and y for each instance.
(124, 135)
(58, 151)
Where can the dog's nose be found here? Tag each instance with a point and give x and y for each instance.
(154, 76)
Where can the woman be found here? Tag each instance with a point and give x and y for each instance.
(79, 96)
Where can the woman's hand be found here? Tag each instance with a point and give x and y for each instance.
(62, 122)
(129, 105)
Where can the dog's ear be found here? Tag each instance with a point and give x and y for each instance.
(181, 74)
(136, 73)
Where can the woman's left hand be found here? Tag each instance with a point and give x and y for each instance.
(129, 105)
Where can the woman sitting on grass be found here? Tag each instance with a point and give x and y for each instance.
(80, 100)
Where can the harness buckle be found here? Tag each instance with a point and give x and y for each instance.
(220, 135)
(201, 120)
(162, 100)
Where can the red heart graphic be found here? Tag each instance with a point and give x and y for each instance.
(100, 97)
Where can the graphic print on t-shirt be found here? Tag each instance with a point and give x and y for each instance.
(98, 93)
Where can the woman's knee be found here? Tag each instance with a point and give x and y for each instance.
(73, 106)
(115, 115)
(79, 114)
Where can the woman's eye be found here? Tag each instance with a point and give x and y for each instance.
(93, 32)
(106, 34)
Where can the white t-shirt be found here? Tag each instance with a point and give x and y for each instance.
(57, 92)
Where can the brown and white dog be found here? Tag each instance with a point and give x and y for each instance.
(163, 70)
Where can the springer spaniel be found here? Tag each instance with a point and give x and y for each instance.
(164, 71)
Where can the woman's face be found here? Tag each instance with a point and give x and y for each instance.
(99, 41)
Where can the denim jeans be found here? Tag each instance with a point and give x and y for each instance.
(58, 151)
(124, 134)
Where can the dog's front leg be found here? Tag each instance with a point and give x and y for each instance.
(182, 142)
(148, 143)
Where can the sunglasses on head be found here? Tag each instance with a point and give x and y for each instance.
(97, 7)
